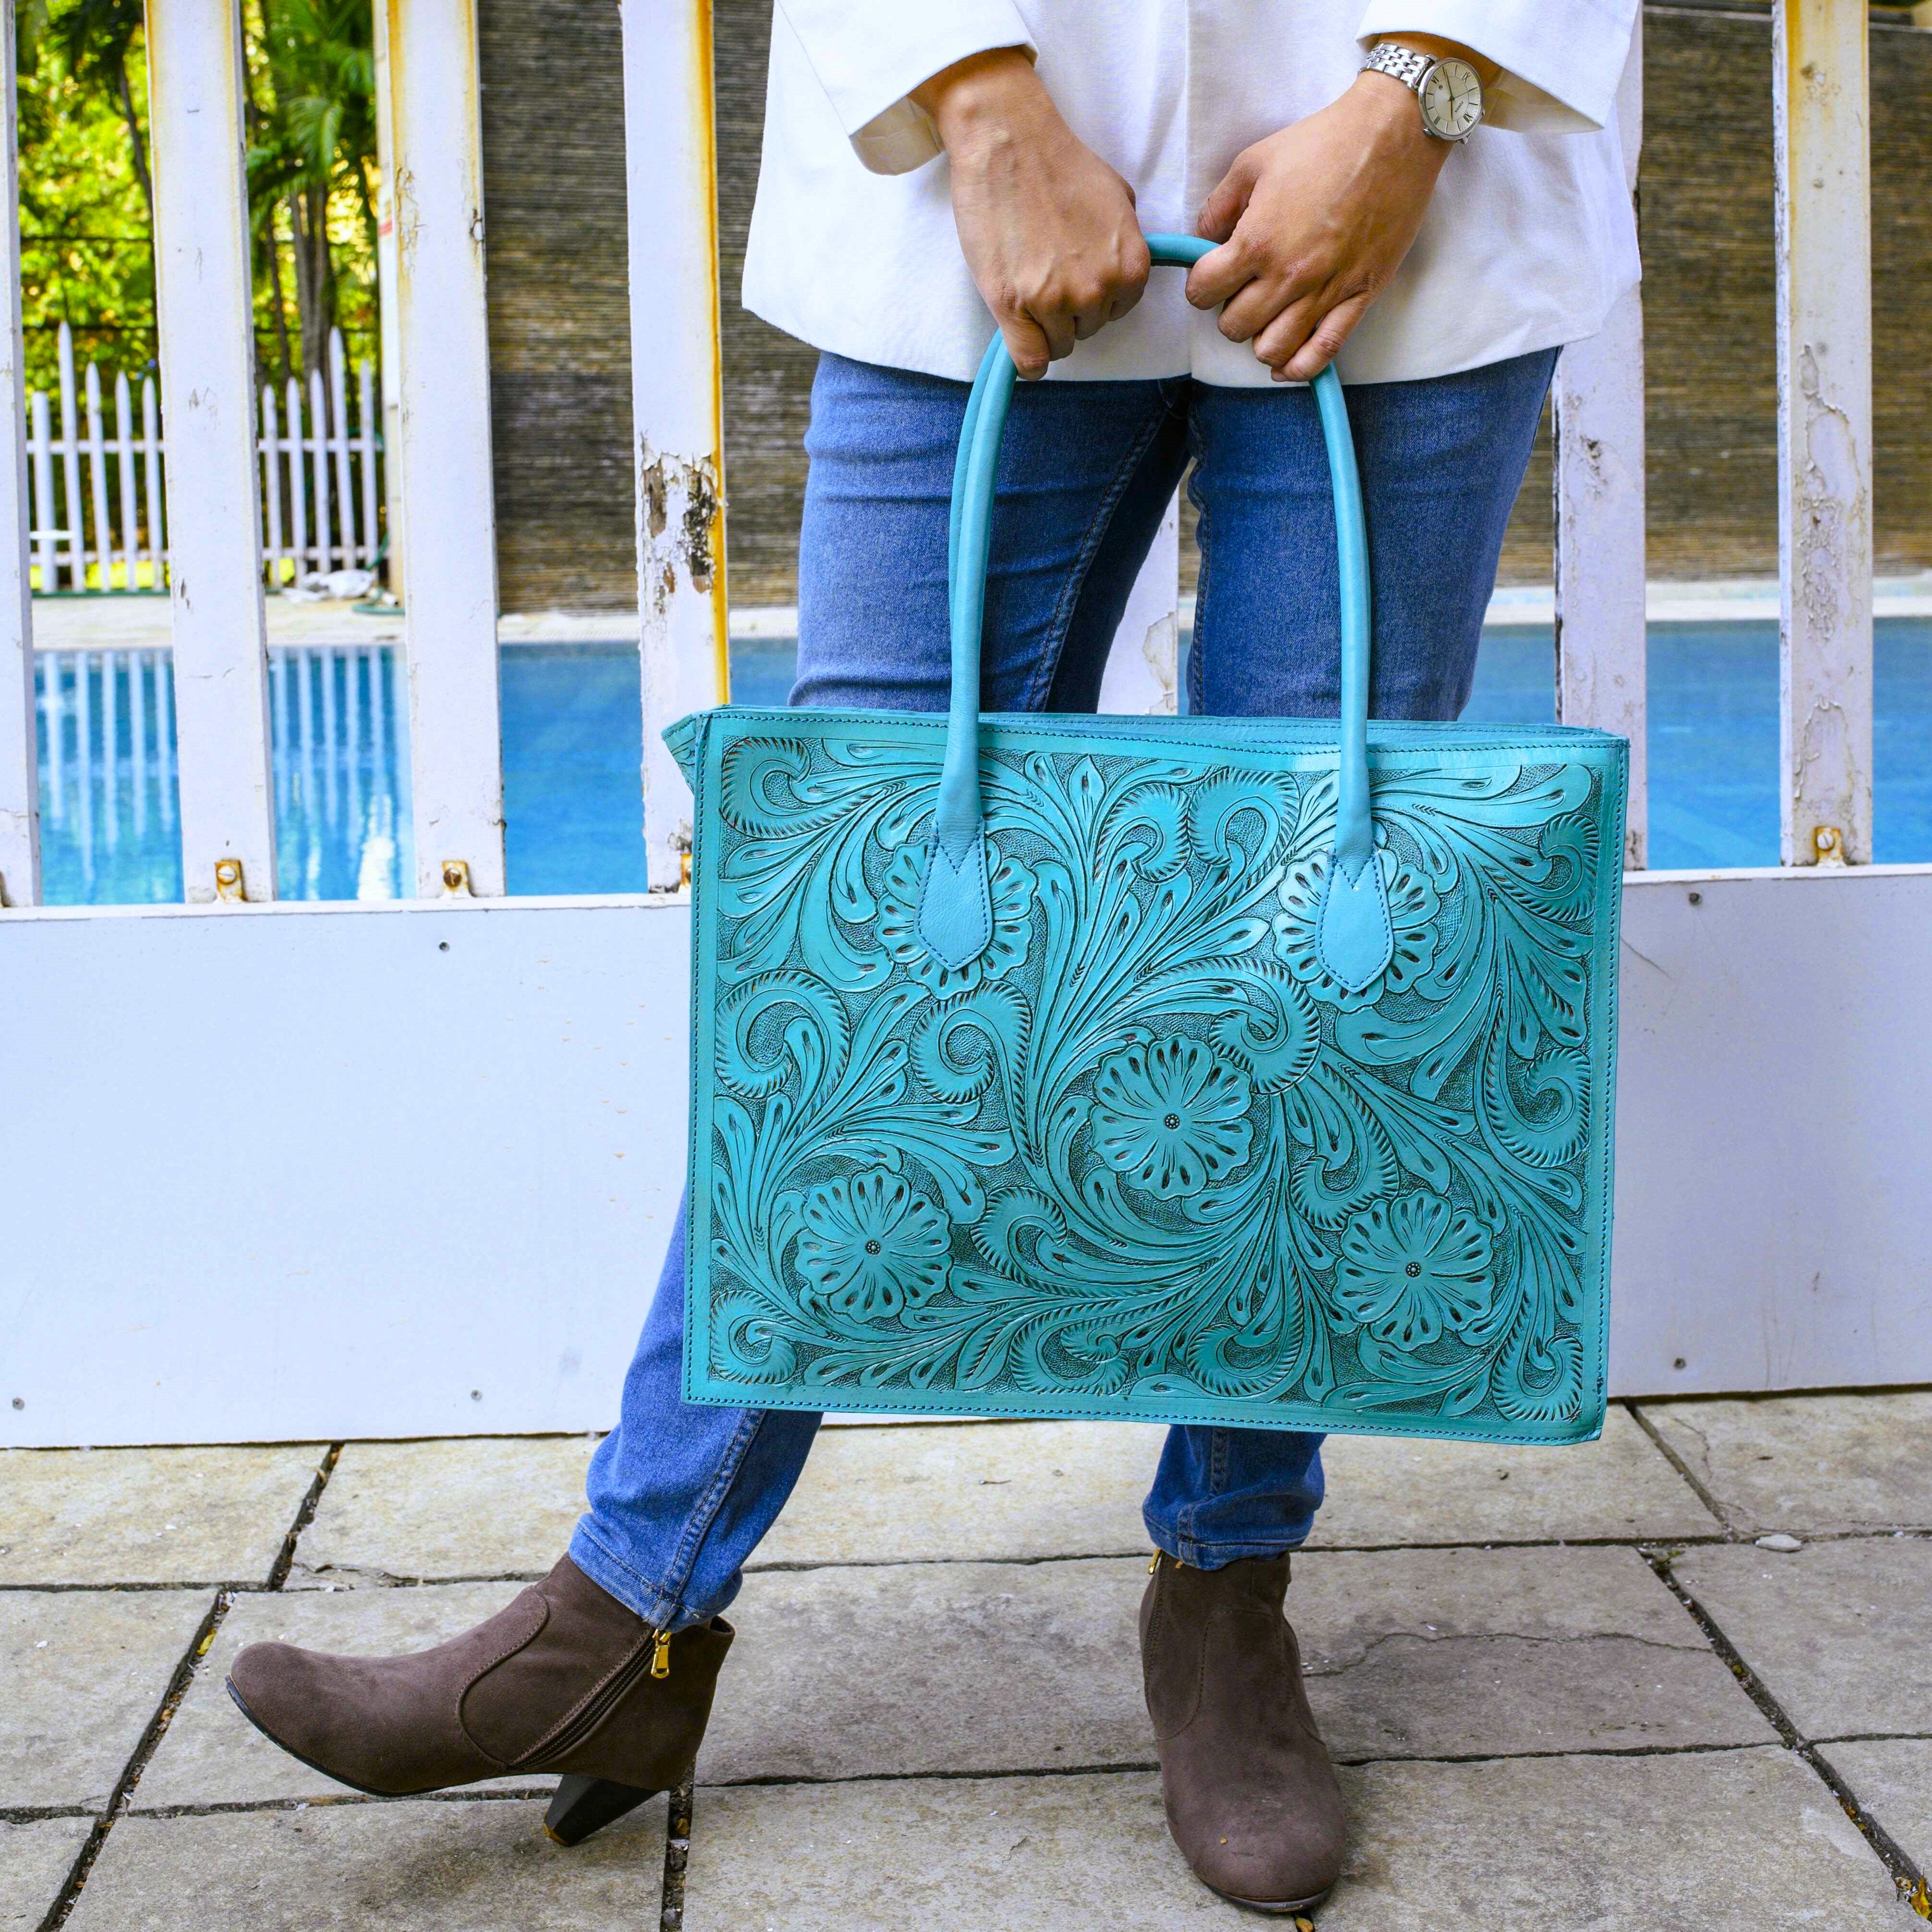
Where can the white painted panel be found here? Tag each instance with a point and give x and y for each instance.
(1598, 425)
(1140, 674)
(448, 535)
(19, 776)
(1820, 104)
(204, 295)
(297, 1171)
(1774, 1131)
(676, 399)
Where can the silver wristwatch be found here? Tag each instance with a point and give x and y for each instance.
(1448, 92)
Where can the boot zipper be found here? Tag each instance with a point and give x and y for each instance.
(587, 1721)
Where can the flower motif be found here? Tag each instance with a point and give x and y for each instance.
(1412, 905)
(1011, 885)
(871, 1245)
(1413, 1266)
(1171, 1115)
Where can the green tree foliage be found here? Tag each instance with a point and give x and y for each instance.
(311, 105)
(86, 193)
(86, 247)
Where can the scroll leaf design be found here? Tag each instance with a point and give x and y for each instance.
(1144, 1155)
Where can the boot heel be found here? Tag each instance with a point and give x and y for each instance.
(584, 1805)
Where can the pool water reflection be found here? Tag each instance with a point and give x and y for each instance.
(339, 731)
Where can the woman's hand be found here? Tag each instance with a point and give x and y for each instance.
(1314, 222)
(1048, 229)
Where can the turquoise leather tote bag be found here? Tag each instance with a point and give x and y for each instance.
(1154, 1069)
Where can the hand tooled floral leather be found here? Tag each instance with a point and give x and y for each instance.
(1144, 1156)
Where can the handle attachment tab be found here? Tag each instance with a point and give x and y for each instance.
(1354, 937)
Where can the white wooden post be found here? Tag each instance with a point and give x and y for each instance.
(47, 526)
(389, 346)
(96, 479)
(1140, 678)
(70, 446)
(1821, 113)
(129, 546)
(1597, 400)
(345, 487)
(677, 401)
(318, 451)
(205, 294)
(271, 481)
(449, 531)
(19, 773)
(151, 478)
(365, 446)
(297, 483)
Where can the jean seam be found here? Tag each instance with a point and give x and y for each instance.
(1041, 683)
(698, 1524)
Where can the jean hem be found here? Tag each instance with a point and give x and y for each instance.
(1199, 1553)
(661, 1609)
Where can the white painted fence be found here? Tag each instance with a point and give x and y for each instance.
(97, 490)
(436, 1199)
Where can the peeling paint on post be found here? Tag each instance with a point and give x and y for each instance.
(676, 395)
(205, 300)
(448, 532)
(20, 768)
(1820, 97)
(1598, 398)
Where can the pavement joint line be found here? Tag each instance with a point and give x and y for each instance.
(1906, 1875)
(278, 1571)
(678, 1812)
(183, 1675)
(385, 1581)
(1683, 1468)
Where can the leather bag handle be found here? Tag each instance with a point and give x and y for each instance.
(956, 905)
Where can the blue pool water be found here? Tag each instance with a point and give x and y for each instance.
(571, 728)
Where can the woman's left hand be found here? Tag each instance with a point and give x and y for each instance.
(1313, 222)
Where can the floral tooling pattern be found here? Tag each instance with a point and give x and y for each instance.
(1144, 1151)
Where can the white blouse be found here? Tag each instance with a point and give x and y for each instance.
(1529, 240)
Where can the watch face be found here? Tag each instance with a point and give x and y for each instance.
(1452, 99)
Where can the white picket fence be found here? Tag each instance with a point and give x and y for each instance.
(96, 494)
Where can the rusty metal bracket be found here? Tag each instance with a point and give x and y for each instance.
(228, 885)
(456, 879)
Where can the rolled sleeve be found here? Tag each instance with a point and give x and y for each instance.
(1561, 64)
(868, 58)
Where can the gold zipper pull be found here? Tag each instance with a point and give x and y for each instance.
(661, 1655)
(1153, 1562)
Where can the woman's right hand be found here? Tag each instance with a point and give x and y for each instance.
(1048, 229)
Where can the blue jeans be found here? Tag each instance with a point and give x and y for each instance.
(679, 1494)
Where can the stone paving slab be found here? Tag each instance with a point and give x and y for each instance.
(403, 1866)
(907, 1670)
(1840, 1633)
(955, 1855)
(1727, 1841)
(932, 1667)
(1385, 1490)
(469, 1507)
(1809, 1465)
(926, 1495)
(149, 1515)
(1755, 1844)
(84, 1671)
(211, 1754)
(1891, 1779)
(1449, 1653)
(34, 1861)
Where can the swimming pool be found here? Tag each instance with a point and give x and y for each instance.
(573, 820)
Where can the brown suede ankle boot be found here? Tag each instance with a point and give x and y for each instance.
(565, 1679)
(1251, 1797)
